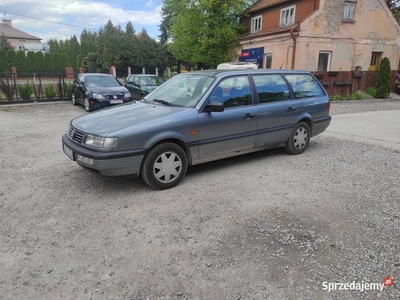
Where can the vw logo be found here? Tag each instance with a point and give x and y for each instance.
(115, 97)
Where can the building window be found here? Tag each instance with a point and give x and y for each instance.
(22, 41)
(256, 24)
(268, 61)
(288, 16)
(323, 61)
(348, 11)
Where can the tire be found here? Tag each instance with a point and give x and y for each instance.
(298, 139)
(164, 166)
(88, 108)
(74, 100)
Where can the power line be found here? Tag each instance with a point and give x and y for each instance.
(59, 23)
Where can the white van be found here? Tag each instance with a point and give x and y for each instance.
(236, 65)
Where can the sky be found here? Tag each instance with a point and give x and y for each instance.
(61, 19)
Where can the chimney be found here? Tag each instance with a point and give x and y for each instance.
(7, 22)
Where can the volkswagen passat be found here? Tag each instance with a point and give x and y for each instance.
(198, 117)
(95, 91)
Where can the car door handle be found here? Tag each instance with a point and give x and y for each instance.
(290, 108)
(246, 116)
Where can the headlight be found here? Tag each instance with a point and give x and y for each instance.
(127, 95)
(100, 142)
(98, 96)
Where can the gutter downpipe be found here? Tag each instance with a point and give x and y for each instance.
(294, 45)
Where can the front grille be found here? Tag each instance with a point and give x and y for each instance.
(114, 97)
(75, 134)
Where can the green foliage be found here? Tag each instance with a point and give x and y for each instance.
(85, 65)
(37, 90)
(371, 91)
(355, 96)
(39, 65)
(92, 62)
(25, 90)
(48, 63)
(202, 32)
(11, 59)
(30, 62)
(3, 61)
(5, 44)
(21, 63)
(65, 62)
(58, 67)
(50, 91)
(383, 79)
(68, 89)
(336, 98)
(7, 86)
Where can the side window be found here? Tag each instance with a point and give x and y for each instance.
(271, 88)
(129, 79)
(304, 86)
(232, 92)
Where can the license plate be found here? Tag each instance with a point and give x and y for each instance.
(69, 152)
(116, 101)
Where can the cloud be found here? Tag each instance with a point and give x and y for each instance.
(82, 14)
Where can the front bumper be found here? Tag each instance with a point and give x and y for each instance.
(104, 163)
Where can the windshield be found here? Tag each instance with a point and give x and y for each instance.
(102, 81)
(183, 90)
(150, 80)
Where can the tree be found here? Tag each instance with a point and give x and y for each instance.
(11, 59)
(39, 66)
(203, 31)
(383, 79)
(109, 39)
(49, 63)
(3, 61)
(5, 44)
(21, 62)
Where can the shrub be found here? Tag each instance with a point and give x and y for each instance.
(68, 89)
(25, 90)
(383, 79)
(336, 98)
(50, 91)
(8, 88)
(355, 96)
(36, 90)
(371, 91)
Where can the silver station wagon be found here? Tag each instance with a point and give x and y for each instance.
(198, 117)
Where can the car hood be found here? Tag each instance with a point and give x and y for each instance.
(108, 121)
(108, 90)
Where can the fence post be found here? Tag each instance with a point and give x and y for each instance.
(40, 86)
(15, 85)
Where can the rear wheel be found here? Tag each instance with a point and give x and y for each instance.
(299, 139)
(164, 166)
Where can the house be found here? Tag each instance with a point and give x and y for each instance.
(36, 47)
(15, 37)
(320, 35)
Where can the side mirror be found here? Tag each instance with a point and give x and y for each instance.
(216, 107)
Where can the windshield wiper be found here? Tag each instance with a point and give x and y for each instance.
(163, 102)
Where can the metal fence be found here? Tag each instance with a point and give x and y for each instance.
(29, 87)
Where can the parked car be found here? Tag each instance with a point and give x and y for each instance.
(225, 113)
(95, 91)
(142, 84)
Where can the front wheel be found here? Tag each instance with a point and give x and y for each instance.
(88, 108)
(74, 99)
(299, 139)
(164, 166)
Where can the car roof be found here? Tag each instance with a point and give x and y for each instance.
(143, 75)
(96, 74)
(228, 72)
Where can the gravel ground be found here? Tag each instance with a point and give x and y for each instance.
(260, 226)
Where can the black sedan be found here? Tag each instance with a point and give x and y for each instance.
(95, 91)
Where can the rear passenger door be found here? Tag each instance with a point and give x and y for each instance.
(234, 129)
(277, 111)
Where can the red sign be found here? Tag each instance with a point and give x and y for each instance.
(244, 54)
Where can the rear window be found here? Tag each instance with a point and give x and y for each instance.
(304, 86)
(271, 88)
